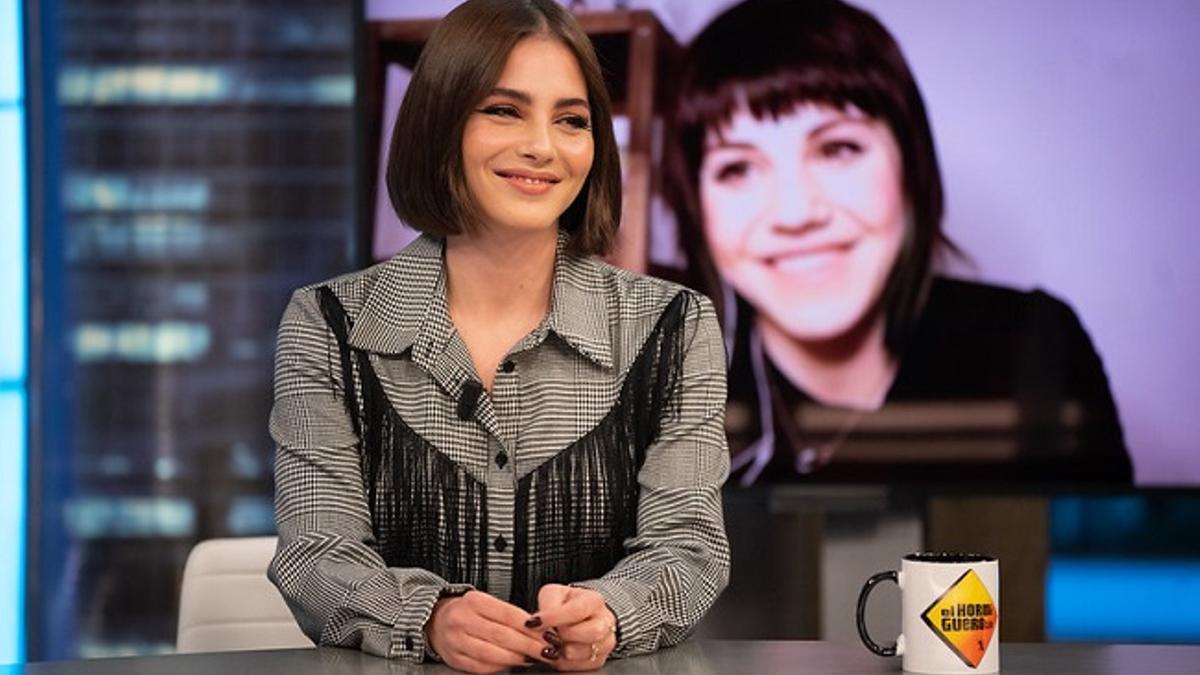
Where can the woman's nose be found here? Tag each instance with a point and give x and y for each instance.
(800, 202)
(536, 144)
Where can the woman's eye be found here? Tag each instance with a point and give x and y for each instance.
(731, 171)
(577, 122)
(840, 149)
(500, 111)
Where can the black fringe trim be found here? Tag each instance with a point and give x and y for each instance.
(426, 511)
(585, 500)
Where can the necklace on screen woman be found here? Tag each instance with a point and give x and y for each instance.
(811, 456)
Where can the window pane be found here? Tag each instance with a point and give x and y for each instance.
(12, 523)
(12, 247)
(10, 51)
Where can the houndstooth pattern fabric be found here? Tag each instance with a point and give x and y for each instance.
(553, 387)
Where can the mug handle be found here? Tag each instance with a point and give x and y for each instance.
(892, 576)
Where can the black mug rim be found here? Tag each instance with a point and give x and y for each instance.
(949, 558)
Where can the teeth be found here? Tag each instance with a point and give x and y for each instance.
(530, 181)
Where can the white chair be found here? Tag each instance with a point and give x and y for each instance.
(228, 604)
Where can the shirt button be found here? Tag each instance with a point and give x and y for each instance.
(509, 366)
(501, 459)
(500, 543)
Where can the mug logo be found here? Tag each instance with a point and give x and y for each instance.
(964, 617)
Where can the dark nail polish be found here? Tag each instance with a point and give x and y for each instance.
(553, 639)
(533, 622)
(550, 653)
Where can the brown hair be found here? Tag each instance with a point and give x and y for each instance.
(772, 56)
(458, 67)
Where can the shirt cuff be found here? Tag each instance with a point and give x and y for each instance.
(408, 630)
(447, 591)
(631, 625)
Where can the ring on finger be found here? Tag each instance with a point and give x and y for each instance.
(595, 652)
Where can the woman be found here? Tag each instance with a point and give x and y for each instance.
(804, 176)
(493, 449)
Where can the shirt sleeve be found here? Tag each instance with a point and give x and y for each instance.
(335, 582)
(1102, 454)
(678, 562)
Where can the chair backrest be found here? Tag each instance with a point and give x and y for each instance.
(227, 602)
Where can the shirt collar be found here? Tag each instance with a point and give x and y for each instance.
(406, 307)
(579, 305)
(398, 303)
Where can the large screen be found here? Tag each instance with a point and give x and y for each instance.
(949, 241)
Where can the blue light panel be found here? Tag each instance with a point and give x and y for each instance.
(1123, 600)
(13, 329)
(13, 251)
(10, 59)
(12, 524)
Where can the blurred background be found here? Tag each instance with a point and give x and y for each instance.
(171, 169)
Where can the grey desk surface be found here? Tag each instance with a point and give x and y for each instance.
(703, 658)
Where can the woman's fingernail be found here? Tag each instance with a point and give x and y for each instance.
(553, 639)
(533, 622)
(550, 653)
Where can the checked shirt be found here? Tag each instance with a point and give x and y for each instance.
(554, 389)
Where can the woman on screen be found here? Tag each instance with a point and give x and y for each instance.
(492, 448)
(801, 167)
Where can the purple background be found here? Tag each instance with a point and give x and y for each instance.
(1070, 149)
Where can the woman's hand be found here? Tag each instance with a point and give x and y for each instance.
(478, 633)
(585, 625)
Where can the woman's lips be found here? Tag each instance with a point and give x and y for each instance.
(813, 260)
(529, 184)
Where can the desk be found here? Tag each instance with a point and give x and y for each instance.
(702, 658)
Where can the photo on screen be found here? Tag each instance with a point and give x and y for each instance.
(946, 240)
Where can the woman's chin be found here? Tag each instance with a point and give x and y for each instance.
(817, 326)
(817, 334)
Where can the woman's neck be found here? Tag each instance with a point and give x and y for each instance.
(502, 275)
(853, 371)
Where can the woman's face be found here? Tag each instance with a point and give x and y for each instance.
(527, 147)
(805, 215)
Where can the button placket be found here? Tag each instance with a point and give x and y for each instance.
(506, 403)
(498, 460)
(500, 495)
(502, 477)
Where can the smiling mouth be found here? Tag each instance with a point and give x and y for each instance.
(527, 180)
(814, 255)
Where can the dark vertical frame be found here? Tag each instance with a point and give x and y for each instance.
(48, 475)
(364, 179)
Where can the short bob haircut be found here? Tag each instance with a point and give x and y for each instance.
(773, 56)
(459, 66)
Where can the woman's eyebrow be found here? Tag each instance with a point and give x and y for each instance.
(836, 122)
(523, 97)
(721, 141)
(723, 144)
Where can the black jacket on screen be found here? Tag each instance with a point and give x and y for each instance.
(995, 386)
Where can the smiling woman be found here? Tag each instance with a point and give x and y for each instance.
(805, 180)
(815, 253)
(494, 449)
(478, 78)
(530, 138)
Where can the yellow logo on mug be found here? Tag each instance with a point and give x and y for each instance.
(964, 617)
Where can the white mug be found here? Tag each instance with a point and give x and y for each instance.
(950, 613)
